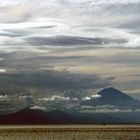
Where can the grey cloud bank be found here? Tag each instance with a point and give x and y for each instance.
(52, 80)
(71, 40)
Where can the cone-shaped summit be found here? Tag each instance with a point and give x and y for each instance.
(113, 96)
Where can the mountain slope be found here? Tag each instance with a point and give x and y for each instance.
(113, 96)
(36, 116)
(29, 116)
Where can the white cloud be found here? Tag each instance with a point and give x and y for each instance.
(66, 19)
(17, 2)
(134, 42)
(3, 70)
(96, 96)
(3, 98)
(74, 99)
(37, 108)
(55, 98)
(86, 98)
(103, 1)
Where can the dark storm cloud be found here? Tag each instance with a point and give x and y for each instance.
(56, 80)
(71, 41)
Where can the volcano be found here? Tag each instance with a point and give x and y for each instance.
(113, 96)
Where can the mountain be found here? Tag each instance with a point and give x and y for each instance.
(113, 96)
(36, 116)
(110, 99)
(30, 116)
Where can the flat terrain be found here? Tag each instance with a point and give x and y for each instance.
(70, 132)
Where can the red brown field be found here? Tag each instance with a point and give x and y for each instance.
(79, 132)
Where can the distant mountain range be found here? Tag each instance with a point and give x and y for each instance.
(29, 116)
(108, 96)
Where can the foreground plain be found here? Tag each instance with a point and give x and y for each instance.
(71, 132)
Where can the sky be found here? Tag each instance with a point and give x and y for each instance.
(51, 46)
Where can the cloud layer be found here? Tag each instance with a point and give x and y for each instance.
(63, 44)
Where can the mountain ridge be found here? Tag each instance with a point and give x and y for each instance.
(34, 117)
(109, 96)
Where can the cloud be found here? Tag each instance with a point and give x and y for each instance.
(13, 33)
(55, 98)
(105, 109)
(65, 27)
(14, 14)
(71, 9)
(86, 98)
(68, 58)
(3, 70)
(55, 80)
(71, 40)
(27, 96)
(73, 95)
(37, 108)
(4, 98)
(102, 1)
(1, 58)
(134, 42)
(60, 39)
(95, 96)
(17, 2)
